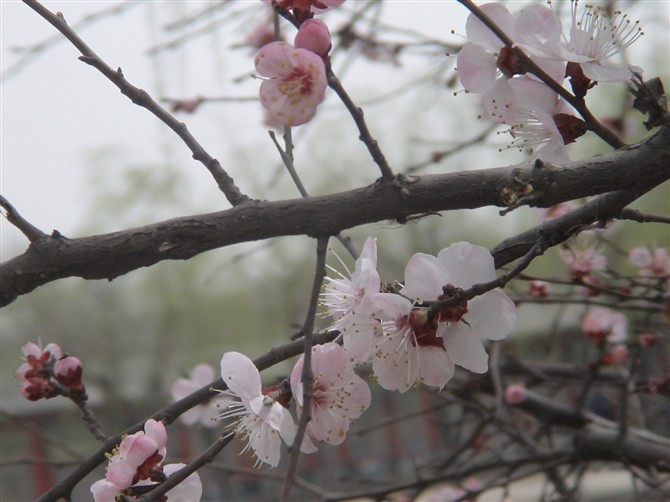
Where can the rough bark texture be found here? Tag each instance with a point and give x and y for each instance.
(629, 173)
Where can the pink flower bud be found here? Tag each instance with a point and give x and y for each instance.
(314, 36)
(539, 289)
(515, 394)
(68, 372)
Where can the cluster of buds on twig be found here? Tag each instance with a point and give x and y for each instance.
(49, 373)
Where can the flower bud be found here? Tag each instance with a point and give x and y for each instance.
(314, 36)
(68, 372)
(515, 394)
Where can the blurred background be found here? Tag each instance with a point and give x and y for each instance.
(79, 157)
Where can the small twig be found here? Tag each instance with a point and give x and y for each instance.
(28, 229)
(286, 155)
(357, 114)
(635, 215)
(479, 289)
(307, 376)
(578, 104)
(141, 98)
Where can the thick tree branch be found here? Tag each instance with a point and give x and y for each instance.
(627, 173)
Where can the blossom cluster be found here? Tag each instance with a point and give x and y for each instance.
(419, 333)
(136, 466)
(539, 119)
(49, 373)
(262, 415)
(294, 77)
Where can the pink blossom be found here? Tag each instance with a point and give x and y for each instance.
(542, 123)
(339, 394)
(601, 323)
(651, 264)
(306, 6)
(258, 416)
(314, 36)
(485, 60)
(138, 456)
(206, 413)
(487, 67)
(515, 394)
(539, 289)
(68, 372)
(295, 82)
(189, 490)
(594, 38)
(35, 373)
(347, 302)
(582, 260)
(414, 347)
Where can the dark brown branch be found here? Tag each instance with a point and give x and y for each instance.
(628, 173)
(141, 98)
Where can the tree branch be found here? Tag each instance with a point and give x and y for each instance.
(627, 173)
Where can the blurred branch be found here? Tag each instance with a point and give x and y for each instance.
(627, 173)
(141, 98)
(31, 53)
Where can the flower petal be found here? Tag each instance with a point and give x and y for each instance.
(241, 375)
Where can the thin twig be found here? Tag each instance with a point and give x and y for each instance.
(307, 376)
(28, 229)
(357, 114)
(142, 98)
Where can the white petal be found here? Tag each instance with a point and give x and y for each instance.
(423, 277)
(479, 34)
(466, 264)
(437, 368)
(395, 363)
(466, 350)
(477, 69)
(241, 375)
(490, 316)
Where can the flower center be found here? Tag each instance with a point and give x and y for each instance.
(509, 63)
(297, 85)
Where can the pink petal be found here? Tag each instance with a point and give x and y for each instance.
(477, 69)
(479, 34)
